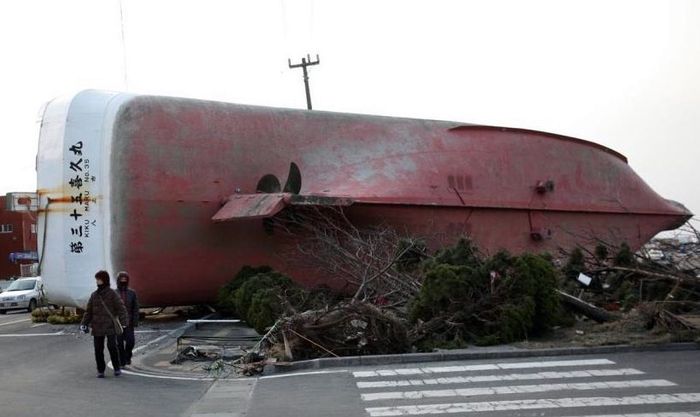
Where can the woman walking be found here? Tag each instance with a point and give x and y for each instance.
(103, 308)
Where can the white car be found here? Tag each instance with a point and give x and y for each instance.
(22, 294)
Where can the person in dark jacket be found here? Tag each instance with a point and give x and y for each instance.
(104, 304)
(126, 341)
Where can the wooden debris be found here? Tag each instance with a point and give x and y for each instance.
(679, 321)
(348, 328)
(587, 309)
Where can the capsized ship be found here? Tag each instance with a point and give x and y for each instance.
(176, 191)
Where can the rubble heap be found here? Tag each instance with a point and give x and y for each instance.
(400, 298)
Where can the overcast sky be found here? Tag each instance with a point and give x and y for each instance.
(625, 74)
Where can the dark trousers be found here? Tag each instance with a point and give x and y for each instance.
(126, 344)
(99, 342)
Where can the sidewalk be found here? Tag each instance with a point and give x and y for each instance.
(228, 395)
(225, 398)
(222, 340)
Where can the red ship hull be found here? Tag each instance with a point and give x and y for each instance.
(173, 163)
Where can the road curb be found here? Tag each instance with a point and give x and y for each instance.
(161, 342)
(455, 355)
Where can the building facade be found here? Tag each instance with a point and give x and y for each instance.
(18, 233)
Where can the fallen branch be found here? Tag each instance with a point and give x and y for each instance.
(689, 323)
(313, 343)
(585, 308)
(682, 279)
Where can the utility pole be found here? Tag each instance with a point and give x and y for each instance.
(305, 62)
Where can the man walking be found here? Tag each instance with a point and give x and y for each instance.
(126, 341)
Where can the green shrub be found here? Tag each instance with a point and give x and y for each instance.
(624, 256)
(243, 296)
(628, 294)
(225, 299)
(500, 299)
(429, 345)
(444, 287)
(601, 252)
(575, 265)
(317, 298)
(541, 279)
(410, 253)
(564, 317)
(462, 253)
(515, 321)
(259, 295)
(40, 315)
(265, 308)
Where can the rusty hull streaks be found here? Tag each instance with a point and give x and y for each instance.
(319, 200)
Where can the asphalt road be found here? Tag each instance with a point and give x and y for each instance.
(48, 370)
(662, 384)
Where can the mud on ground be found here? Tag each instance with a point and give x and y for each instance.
(631, 329)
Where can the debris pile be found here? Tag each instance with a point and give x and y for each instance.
(347, 328)
(252, 363)
(401, 298)
(463, 297)
(612, 283)
(193, 353)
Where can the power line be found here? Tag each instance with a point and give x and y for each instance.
(121, 25)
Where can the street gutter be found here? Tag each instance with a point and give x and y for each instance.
(499, 352)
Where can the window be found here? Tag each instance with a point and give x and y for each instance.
(5, 228)
(22, 285)
(33, 228)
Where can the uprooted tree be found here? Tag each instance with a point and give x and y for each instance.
(376, 263)
(397, 297)
(664, 289)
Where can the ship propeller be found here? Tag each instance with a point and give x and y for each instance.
(269, 183)
(293, 184)
(270, 198)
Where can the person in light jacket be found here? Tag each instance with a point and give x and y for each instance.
(104, 304)
(126, 341)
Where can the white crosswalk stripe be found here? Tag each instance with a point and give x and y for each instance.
(587, 373)
(543, 404)
(676, 414)
(515, 389)
(476, 381)
(481, 367)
